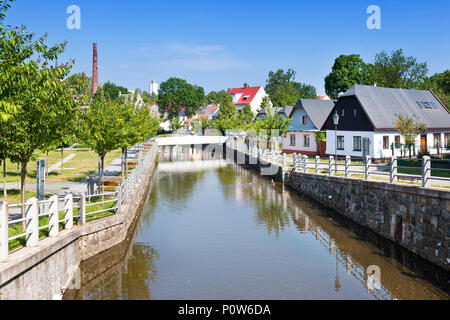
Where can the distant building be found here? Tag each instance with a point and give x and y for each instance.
(366, 122)
(282, 112)
(323, 97)
(248, 95)
(154, 87)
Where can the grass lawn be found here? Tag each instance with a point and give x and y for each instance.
(14, 196)
(79, 167)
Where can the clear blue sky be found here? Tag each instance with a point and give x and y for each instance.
(222, 44)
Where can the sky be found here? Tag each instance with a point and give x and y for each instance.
(224, 44)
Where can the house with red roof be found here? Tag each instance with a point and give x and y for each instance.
(248, 95)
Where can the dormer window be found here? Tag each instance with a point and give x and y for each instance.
(245, 98)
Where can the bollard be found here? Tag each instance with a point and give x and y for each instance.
(32, 216)
(348, 163)
(426, 171)
(4, 228)
(317, 165)
(393, 169)
(53, 217)
(82, 210)
(331, 165)
(68, 211)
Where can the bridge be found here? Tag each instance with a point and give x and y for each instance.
(190, 140)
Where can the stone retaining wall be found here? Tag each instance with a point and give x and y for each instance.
(414, 217)
(46, 271)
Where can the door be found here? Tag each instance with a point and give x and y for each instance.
(423, 143)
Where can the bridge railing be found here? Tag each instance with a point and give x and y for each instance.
(47, 218)
(424, 172)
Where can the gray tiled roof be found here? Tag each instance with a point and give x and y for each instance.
(317, 110)
(382, 105)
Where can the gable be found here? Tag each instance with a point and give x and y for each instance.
(352, 117)
(296, 123)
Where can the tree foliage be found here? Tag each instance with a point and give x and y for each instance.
(113, 91)
(284, 91)
(177, 94)
(409, 128)
(347, 71)
(227, 119)
(272, 121)
(440, 84)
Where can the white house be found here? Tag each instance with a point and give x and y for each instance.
(366, 122)
(248, 95)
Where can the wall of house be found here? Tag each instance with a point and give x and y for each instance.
(257, 100)
(348, 142)
(297, 124)
(300, 143)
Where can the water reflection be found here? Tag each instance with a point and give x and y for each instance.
(224, 232)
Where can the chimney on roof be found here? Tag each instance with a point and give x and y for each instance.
(245, 85)
(95, 71)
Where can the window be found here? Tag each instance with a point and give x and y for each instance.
(304, 120)
(343, 112)
(245, 98)
(292, 140)
(385, 142)
(397, 142)
(354, 112)
(437, 140)
(306, 141)
(356, 143)
(340, 142)
(447, 140)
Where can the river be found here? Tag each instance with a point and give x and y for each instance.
(209, 230)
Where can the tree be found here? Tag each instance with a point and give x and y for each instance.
(176, 94)
(266, 103)
(99, 126)
(440, 84)
(272, 121)
(46, 105)
(347, 71)
(245, 118)
(176, 123)
(113, 91)
(398, 71)
(409, 128)
(227, 119)
(215, 97)
(284, 91)
(202, 122)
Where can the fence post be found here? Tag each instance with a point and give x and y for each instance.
(426, 171)
(305, 163)
(348, 163)
(82, 210)
(4, 228)
(331, 165)
(393, 169)
(284, 160)
(118, 198)
(32, 214)
(68, 211)
(316, 168)
(294, 163)
(53, 217)
(367, 163)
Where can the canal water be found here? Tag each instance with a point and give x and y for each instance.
(215, 231)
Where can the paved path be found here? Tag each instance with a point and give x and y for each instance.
(59, 164)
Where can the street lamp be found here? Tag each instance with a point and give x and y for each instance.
(336, 122)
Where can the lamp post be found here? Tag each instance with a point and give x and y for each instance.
(336, 122)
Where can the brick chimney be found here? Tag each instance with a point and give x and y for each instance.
(245, 85)
(95, 71)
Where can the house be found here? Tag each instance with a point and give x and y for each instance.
(324, 97)
(282, 112)
(366, 122)
(308, 117)
(248, 95)
(209, 111)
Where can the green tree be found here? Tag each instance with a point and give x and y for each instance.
(272, 121)
(409, 128)
(347, 71)
(81, 86)
(245, 118)
(112, 91)
(227, 119)
(398, 71)
(176, 94)
(100, 126)
(176, 123)
(215, 97)
(440, 84)
(284, 91)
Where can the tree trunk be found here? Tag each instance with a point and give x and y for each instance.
(46, 167)
(5, 191)
(102, 176)
(62, 161)
(123, 163)
(23, 176)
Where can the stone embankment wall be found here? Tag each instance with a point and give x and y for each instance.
(416, 218)
(46, 271)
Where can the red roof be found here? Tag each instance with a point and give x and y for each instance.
(247, 94)
(212, 109)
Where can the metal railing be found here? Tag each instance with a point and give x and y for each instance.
(422, 171)
(45, 218)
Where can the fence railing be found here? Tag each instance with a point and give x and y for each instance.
(47, 218)
(422, 171)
